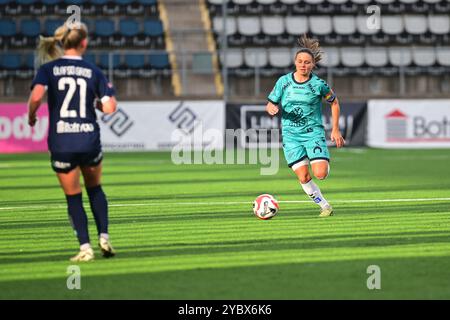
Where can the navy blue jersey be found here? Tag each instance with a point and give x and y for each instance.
(72, 86)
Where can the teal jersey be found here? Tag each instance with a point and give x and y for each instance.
(301, 103)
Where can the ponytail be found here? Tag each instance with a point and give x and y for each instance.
(52, 48)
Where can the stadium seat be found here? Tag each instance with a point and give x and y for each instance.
(296, 25)
(25, 2)
(442, 7)
(320, 25)
(152, 35)
(323, 7)
(50, 25)
(376, 56)
(248, 29)
(344, 25)
(230, 25)
(10, 61)
(133, 65)
(104, 27)
(7, 28)
(234, 58)
(384, 1)
(128, 27)
(246, 6)
(159, 61)
(415, 24)
(134, 61)
(30, 27)
(331, 57)
(301, 7)
(248, 26)
(424, 56)
(28, 35)
(103, 61)
(289, 2)
(280, 58)
(29, 61)
(392, 28)
(439, 24)
(443, 57)
(75, 2)
(123, 2)
(352, 56)
(392, 25)
(362, 27)
(153, 28)
(255, 57)
(400, 56)
(272, 25)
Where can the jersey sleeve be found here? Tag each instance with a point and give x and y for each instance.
(105, 89)
(277, 92)
(40, 78)
(326, 92)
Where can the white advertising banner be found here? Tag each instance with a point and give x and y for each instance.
(409, 123)
(142, 126)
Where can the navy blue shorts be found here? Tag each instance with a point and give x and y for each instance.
(64, 162)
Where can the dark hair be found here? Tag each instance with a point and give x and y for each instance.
(310, 46)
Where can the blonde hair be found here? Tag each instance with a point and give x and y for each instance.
(310, 46)
(65, 37)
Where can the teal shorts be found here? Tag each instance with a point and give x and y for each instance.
(299, 147)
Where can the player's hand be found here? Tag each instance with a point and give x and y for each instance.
(32, 120)
(272, 109)
(337, 138)
(99, 105)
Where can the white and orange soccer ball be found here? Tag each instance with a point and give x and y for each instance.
(265, 206)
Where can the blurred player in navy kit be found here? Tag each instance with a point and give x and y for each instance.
(74, 89)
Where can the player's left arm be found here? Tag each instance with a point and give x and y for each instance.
(335, 113)
(34, 102)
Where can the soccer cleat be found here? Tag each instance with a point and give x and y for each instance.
(106, 248)
(83, 255)
(326, 212)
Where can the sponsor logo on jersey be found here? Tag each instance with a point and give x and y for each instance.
(61, 165)
(74, 127)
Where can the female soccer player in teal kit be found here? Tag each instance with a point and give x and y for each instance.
(299, 95)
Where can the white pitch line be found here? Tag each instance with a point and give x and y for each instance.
(148, 204)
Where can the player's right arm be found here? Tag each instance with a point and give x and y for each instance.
(108, 106)
(271, 108)
(274, 98)
(38, 89)
(106, 102)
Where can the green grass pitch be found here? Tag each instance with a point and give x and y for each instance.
(188, 232)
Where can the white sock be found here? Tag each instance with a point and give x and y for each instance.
(85, 246)
(313, 191)
(104, 236)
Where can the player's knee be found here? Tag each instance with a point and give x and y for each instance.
(304, 178)
(321, 175)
